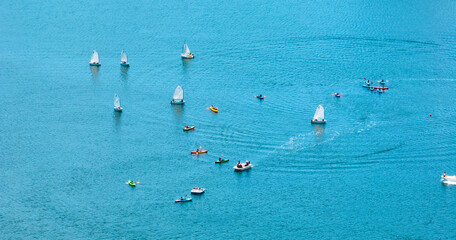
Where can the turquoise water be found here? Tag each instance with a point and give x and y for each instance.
(372, 172)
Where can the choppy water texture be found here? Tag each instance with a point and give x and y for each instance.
(371, 172)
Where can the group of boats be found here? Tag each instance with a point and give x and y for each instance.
(95, 59)
(370, 85)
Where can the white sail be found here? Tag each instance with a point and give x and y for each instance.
(116, 101)
(319, 113)
(123, 57)
(185, 50)
(94, 58)
(178, 94)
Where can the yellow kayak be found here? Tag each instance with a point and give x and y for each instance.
(214, 109)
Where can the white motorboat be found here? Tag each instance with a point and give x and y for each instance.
(197, 190)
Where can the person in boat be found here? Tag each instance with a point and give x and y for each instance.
(182, 198)
(261, 95)
(220, 159)
(239, 165)
(247, 163)
(444, 174)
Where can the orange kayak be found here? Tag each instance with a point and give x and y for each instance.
(198, 152)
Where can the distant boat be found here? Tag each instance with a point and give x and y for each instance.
(319, 117)
(186, 199)
(186, 54)
(117, 106)
(188, 128)
(178, 97)
(95, 61)
(124, 59)
(261, 97)
(243, 166)
(448, 180)
(214, 109)
(197, 191)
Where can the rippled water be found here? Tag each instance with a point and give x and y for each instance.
(371, 172)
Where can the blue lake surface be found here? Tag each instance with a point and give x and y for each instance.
(372, 172)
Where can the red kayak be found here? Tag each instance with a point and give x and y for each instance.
(198, 152)
(383, 88)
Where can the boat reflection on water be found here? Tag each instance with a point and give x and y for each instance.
(124, 72)
(319, 130)
(117, 120)
(95, 70)
(186, 62)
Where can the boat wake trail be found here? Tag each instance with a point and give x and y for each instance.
(307, 140)
(381, 151)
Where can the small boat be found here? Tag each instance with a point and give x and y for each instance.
(372, 88)
(319, 116)
(383, 88)
(243, 166)
(94, 61)
(186, 199)
(198, 152)
(448, 180)
(261, 97)
(187, 128)
(186, 54)
(366, 85)
(178, 97)
(222, 160)
(198, 191)
(380, 91)
(383, 82)
(124, 59)
(117, 106)
(131, 183)
(337, 94)
(214, 109)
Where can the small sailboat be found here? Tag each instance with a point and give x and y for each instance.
(94, 61)
(124, 59)
(186, 54)
(178, 97)
(117, 106)
(319, 117)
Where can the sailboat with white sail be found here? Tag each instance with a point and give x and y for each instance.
(319, 116)
(186, 54)
(178, 97)
(117, 106)
(94, 61)
(124, 59)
